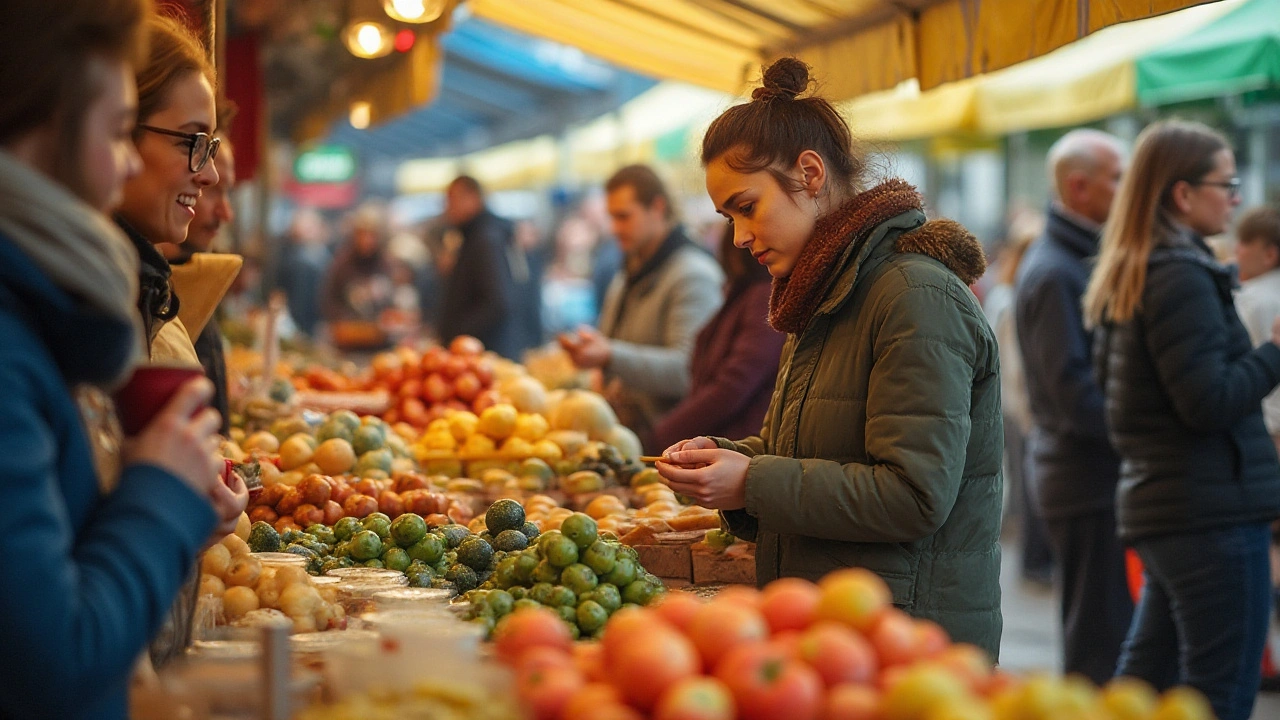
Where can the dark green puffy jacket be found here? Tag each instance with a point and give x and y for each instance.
(882, 446)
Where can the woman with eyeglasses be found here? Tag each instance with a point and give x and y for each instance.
(98, 535)
(173, 137)
(1199, 477)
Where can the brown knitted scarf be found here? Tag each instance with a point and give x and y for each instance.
(796, 298)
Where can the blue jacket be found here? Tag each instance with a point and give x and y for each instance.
(1074, 468)
(87, 578)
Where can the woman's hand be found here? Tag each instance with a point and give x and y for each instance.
(698, 443)
(229, 502)
(714, 478)
(183, 439)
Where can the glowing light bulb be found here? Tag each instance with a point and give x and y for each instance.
(415, 11)
(361, 114)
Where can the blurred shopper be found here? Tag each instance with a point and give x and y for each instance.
(304, 263)
(735, 358)
(99, 534)
(666, 291)
(1074, 469)
(212, 211)
(173, 137)
(360, 285)
(1184, 386)
(998, 305)
(527, 259)
(882, 447)
(1258, 301)
(474, 263)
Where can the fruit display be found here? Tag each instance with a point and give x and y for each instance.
(457, 701)
(254, 592)
(582, 575)
(837, 650)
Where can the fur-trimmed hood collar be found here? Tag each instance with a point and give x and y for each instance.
(951, 244)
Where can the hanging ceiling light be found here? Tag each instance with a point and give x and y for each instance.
(415, 11)
(368, 39)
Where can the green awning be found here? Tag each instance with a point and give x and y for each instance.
(1236, 54)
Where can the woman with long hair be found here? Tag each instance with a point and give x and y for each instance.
(174, 137)
(1199, 479)
(99, 532)
(882, 445)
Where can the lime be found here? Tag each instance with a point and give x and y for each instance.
(463, 577)
(500, 602)
(429, 549)
(454, 535)
(366, 545)
(379, 525)
(591, 616)
(526, 604)
(608, 596)
(600, 557)
(374, 563)
(505, 576)
(574, 632)
(525, 565)
(561, 552)
(408, 529)
(379, 460)
(330, 430)
(541, 593)
(368, 439)
(475, 553)
(346, 418)
(581, 529)
(342, 549)
(546, 538)
(640, 592)
(518, 593)
(396, 559)
(568, 613)
(421, 579)
(562, 596)
(530, 530)
(486, 623)
(579, 578)
(623, 573)
(545, 572)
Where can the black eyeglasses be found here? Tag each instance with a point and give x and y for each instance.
(201, 147)
(1232, 186)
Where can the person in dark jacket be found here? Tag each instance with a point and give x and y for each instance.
(302, 267)
(735, 359)
(479, 289)
(883, 443)
(1073, 467)
(1199, 479)
(359, 286)
(99, 534)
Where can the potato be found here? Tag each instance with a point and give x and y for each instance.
(262, 513)
(216, 560)
(287, 576)
(236, 546)
(332, 513)
(243, 571)
(305, 624)
(271, 495)
(307, 515)
(299, 600)
(237, 601)
(315, 490)
(269, 595)
(212, 585)
(289, 502)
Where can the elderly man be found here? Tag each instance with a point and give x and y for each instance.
(1073, 466)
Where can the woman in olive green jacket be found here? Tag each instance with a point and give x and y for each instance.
(883, 441)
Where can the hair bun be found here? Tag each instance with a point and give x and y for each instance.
(787, 77)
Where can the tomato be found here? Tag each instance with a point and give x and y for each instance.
(696, 698)
(545, 691)
(767, 684)
(589, 659)
(894, 638)
(839, 654)
(466, 346)
(623, 627)
(789, 604)
(930, 638)
(740, 594)
(543, 657)
(528, 628)
(720, 626)
(852, 702)
(650, 663)
(969, 663)
(853, 596)
(588, 699)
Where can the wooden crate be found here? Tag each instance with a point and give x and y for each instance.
(710, 566)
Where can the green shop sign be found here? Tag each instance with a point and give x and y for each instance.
(328, 164)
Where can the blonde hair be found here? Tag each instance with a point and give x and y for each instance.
(175, 54)
(1166, 153)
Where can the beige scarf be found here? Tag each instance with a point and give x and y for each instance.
(79, 248)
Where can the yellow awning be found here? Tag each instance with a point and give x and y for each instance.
(856, 46)
(1084, 81)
